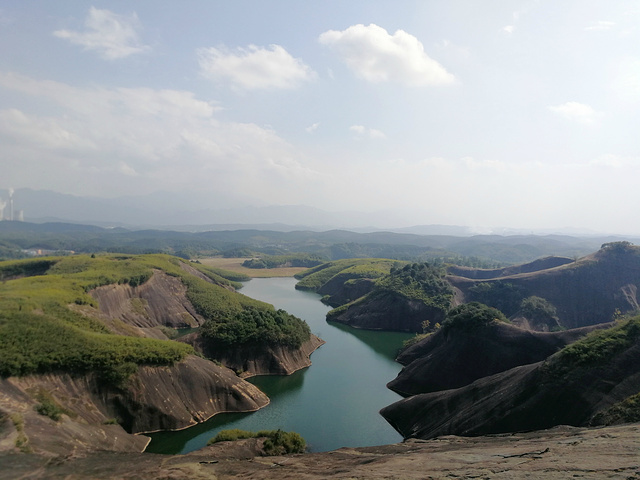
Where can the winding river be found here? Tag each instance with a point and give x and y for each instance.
(332, 404)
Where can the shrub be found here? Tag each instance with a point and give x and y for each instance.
(277, 442)
(256, 326)
(48, 406)
(597, 348)
(470, 316)
(504, 296)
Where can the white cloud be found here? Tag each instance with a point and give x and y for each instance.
(254, 67)
(312, 128)
(577, 112)
(376, 56)
(164, 139)
(600, 26)
(113, 36)
(508, 29)
(48, 133)
(361, 131)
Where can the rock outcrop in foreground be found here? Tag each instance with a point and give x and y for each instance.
(557, 454)
(99, 417)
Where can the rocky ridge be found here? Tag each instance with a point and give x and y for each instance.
(563, 452)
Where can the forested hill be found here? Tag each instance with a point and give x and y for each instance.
(478, 251)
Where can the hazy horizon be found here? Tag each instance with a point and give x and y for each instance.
(482, 114)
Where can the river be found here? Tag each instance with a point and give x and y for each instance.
(332, 404)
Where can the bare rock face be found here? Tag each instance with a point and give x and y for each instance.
(557, 454)
(585, 292)
(529, 397)
(259, 360)
(389, 311)
(190, 392)
(98, 417)
(338, 291)
(455, 357)
(161, 301)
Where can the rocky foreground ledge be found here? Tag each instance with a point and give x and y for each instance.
(558, 453)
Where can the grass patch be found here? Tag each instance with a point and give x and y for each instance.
(314, 278)
(22, 441)
(276, 442)
(597, 349)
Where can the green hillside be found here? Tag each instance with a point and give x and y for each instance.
(41, 330)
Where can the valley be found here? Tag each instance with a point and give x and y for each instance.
(88, 361)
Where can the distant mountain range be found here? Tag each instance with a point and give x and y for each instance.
(188, 212)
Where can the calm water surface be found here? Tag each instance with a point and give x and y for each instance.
(332, 404)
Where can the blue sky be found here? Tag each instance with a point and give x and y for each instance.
(519, 114)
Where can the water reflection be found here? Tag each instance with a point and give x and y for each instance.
(332, 404)
(387, 344)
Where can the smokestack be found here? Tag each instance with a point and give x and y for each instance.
(2, 205)
(10, 203)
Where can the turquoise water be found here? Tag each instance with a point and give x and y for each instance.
(332, 404)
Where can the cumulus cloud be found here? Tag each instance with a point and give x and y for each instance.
(254, 67)
(113, 36)
(162, 139)
(577, 112)
(363, 131)
(376, 56)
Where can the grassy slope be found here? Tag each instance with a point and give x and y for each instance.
(40, 333)
(314, 278)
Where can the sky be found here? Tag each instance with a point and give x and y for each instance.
(522, 114)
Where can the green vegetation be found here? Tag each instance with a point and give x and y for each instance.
(415, 339)
(292, 260)
(39, 332)
(22, 442)
(253, 326)
(538, 308)
(221, 276)
(36, 343)
(627, 411)
(48, 406)
(418, 281)
(314, 278)
(504, 296)
(276, 442)
(596, 349)
(25, 268)
(471, 316)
